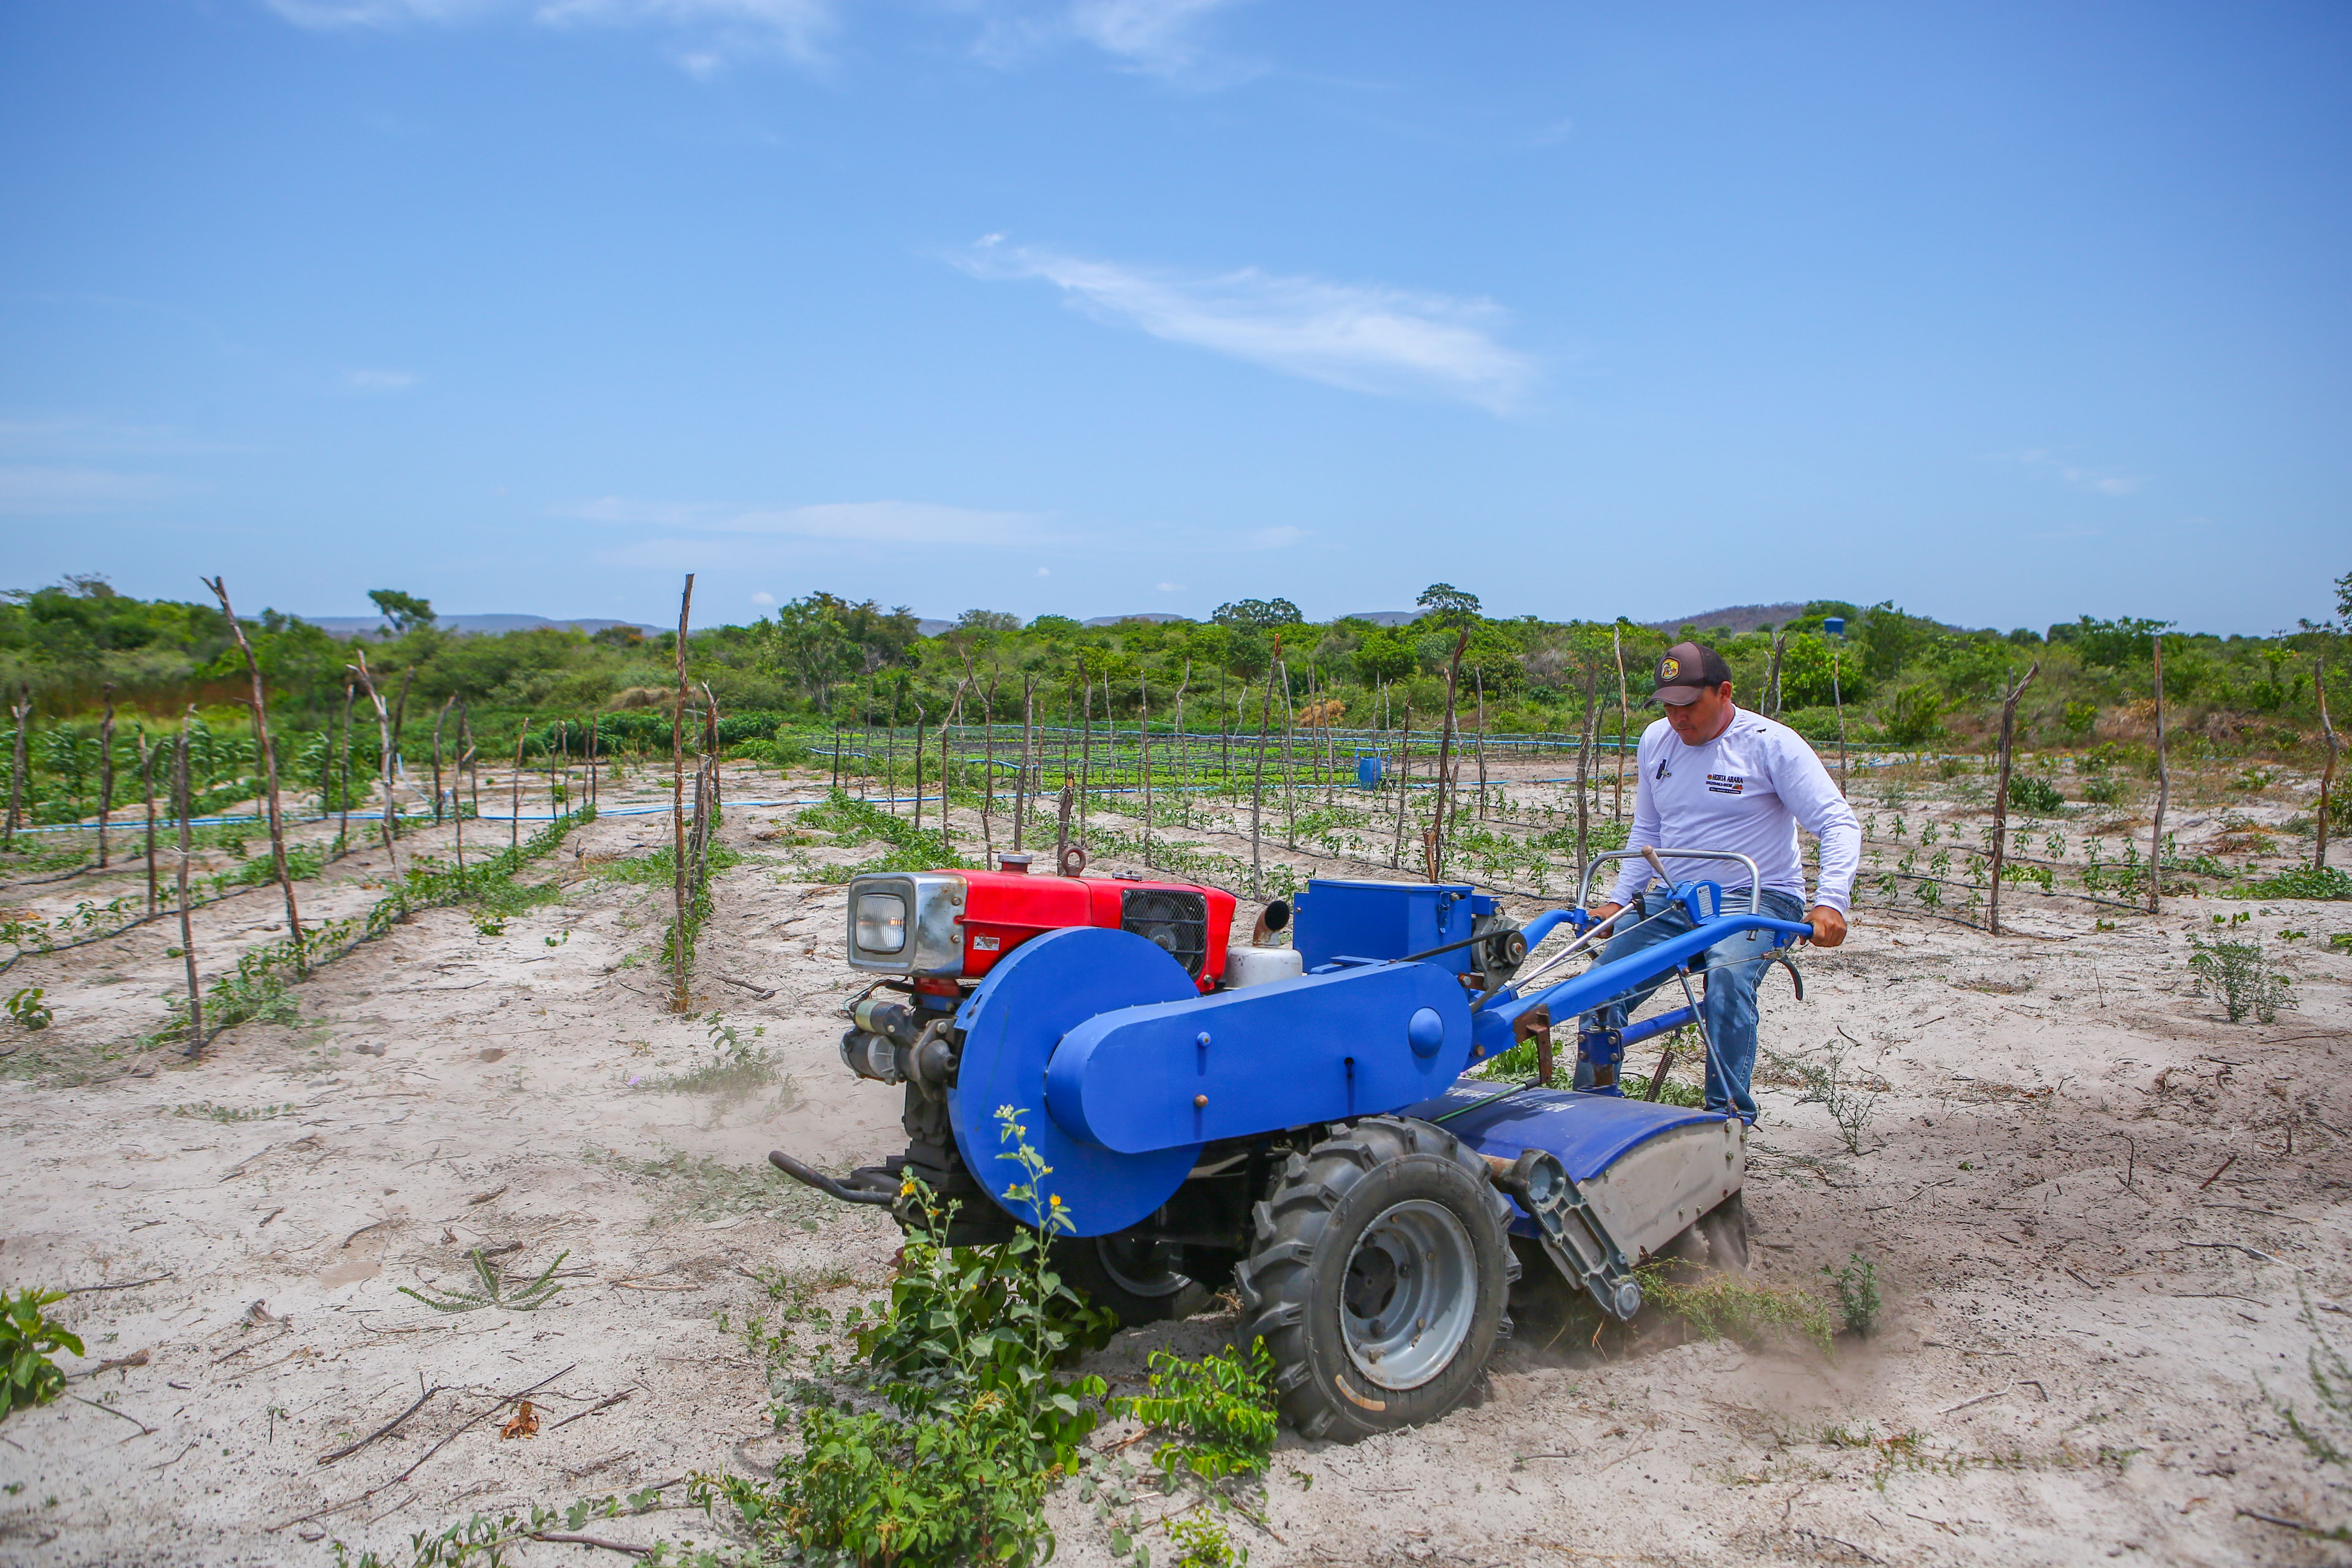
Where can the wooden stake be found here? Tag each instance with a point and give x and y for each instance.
(385, 758)
(1404, 775)
(1289, 767)
(23, 709)
(344, 828)
(1480, 676)
(2327, 778)
(187, 929)
(678, 1001)
(400, 718)
(1617, 646)
(1257, 788)
(1086, 743)
(1028, 733)
(918, 771)
(438, 721)
(592, 721)
(147, 788)
(1585, 735)
(1143, 692)
(105, 769)
(1838, 696)
(988, 759)
(1445, 756)
(259, 704)
(2001, 794)
(2163, 784)
(1780, 641)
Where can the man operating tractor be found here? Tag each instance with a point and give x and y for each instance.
(1715, 777)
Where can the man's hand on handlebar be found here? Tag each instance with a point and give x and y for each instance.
(1601, 913)
(1829, 926)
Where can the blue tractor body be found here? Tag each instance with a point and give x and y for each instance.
(1192, 1134)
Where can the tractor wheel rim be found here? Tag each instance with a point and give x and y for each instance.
(1408, 1294)
(1139, 1269)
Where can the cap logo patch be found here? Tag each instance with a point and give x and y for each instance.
(1670, 668)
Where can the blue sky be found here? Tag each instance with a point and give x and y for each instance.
(2007, 313)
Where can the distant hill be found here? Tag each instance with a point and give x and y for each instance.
(1381, 617)
(1738, 618)
(372, 627)
(1153, 615)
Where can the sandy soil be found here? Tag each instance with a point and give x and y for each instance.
(2082, 1316)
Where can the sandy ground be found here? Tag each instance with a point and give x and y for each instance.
(2082, 1320)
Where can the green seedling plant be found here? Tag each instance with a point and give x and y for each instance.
(1217, 1411)
(495, 1290)
(27, 1337)
(28, 1012)
(2241, 976)
(1857, 1294)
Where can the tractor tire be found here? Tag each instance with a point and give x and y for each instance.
(1380, 1278)
(1137, 1282)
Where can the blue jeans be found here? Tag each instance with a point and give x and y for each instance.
(1734, 968)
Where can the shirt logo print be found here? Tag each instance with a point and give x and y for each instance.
(1727, 783)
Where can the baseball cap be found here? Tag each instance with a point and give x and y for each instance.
(1687, 671)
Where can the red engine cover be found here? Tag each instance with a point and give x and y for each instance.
(1004, 909)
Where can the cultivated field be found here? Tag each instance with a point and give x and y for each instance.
(2098, 1207)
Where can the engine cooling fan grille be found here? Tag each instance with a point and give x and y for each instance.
(1176, 922)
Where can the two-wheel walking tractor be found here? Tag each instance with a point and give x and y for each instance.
(1294, 1119)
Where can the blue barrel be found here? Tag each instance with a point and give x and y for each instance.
(1368, 769)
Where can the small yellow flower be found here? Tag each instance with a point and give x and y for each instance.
(1058, 1200)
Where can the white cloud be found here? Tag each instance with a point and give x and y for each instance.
(1363, 337)
(29, 491)
(379, 380)
(763, 599)
(710, 33)
(1161, 37)
(1171, 587)
(2098, 482)
(1045, 571)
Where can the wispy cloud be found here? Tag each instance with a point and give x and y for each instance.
(31, 491)
(2097, 481)
(378, 380)
(1165, 38)
(706, 35)
(1161, 38)
(1364, 336)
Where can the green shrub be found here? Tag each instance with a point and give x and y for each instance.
(2034, 795)
(2240, 975)
(1219, 1409)
(27, 1335)
(1913, 715)
(1857, 1292)
(2301, 882)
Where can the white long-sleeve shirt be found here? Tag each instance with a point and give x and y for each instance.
(1746, 791)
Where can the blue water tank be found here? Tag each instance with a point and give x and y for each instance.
(1368, 769)
(1833, 625)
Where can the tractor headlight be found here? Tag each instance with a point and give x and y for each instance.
(881, 923)
(902, 923)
